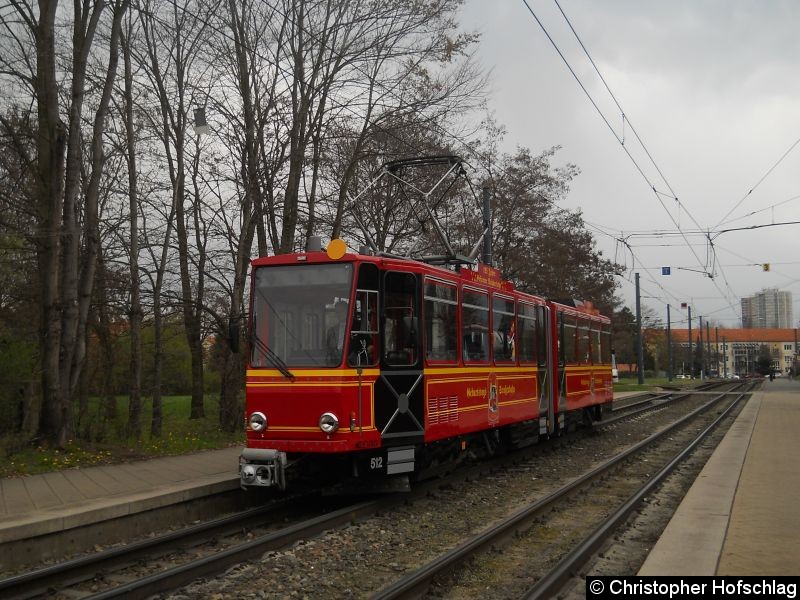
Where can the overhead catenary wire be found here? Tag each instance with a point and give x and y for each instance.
(766, 208)
(711, 265)
(611, 128)
(711, 258)
(673, 195)
(760, 181)
(678, 297)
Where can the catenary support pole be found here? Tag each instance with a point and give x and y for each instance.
(691, 359)
(640, 343)
(669, 347)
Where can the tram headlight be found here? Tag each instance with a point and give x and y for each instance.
(248, 473)
(328, 422)
(258, 421)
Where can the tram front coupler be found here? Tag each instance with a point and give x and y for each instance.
(262, 468)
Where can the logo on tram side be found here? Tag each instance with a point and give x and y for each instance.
(494, 413)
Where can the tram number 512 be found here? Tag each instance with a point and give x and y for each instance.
(376, 463)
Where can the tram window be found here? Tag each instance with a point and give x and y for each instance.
(364, 330)
(606, 344)
(475, 326)
(526, 333)
(541, 335)
(292, 311)
(597, 344)
(583, 350)
(503, 329)
(363, 342)
(441, 307)
(400, 339)
(568, 341)
(282, 341)
(311, 330)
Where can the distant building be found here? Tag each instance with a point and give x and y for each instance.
(735, 351)
(769, 308)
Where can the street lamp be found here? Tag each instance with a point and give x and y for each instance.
(200, 124)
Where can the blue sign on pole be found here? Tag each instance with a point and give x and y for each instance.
(665, 270)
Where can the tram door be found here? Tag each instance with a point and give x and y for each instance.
(544, 357)
(399, 391)
(566, 345)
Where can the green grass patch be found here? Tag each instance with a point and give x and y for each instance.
(104, 441)
(631, 384)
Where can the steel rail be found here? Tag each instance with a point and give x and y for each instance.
(646, 398)
(71, 572)
(658, 400)
(413, 584)
(175, 577)
(634, 410)
(548, 586)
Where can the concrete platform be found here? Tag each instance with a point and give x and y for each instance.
(741, 515)
(49, 503)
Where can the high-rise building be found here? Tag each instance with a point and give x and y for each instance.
(769, 308)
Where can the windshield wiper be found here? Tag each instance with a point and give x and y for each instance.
(275, 360)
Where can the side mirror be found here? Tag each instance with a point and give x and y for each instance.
(233, 334)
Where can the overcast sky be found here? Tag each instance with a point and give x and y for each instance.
(713, 90)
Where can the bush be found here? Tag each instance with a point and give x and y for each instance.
(18, 386)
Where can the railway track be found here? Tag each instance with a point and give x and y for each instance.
(648, 401)
(167, 562)
(147, 567)
(538, 514)
(199, 546)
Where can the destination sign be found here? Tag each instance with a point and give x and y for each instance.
(488, 276)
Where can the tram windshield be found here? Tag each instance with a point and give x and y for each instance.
(298, 310)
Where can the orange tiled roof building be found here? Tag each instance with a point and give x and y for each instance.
(734, 351)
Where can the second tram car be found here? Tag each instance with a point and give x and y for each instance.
(362, 365)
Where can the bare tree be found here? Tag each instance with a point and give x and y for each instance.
(159, 258)
(173, 39)
(358, 62)
(309, 95)
(248, 86)
(66, 206)
(136, 313)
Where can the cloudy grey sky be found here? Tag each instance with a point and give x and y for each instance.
(712, 87)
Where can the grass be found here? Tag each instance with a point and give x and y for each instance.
(108, 444)
(631, 384)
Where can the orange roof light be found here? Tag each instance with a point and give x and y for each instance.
(336, 249)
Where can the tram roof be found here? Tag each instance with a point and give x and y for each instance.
(483, 276)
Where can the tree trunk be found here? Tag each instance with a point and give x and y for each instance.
(135, 376)
(156, 420)
(66, 276)
(233, 364)
(108, 399)
(191, 321)
(51, 145)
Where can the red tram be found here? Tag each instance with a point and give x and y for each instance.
(363, 365)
